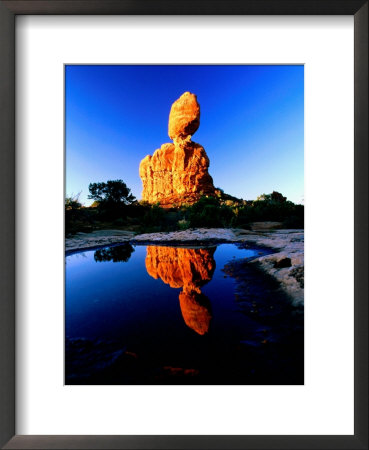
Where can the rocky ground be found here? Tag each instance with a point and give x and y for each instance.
(285, 263)
(96, 239)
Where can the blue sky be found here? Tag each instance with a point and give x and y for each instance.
(251, 124)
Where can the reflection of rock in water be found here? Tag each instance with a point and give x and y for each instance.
(189, 269)
(119, 253)
(195, 309)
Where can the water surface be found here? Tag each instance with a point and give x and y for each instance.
(172, 315)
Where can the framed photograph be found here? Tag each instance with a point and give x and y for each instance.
(185, 228)
(182, 240)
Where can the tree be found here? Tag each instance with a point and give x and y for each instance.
(275, 196)
(113, 192)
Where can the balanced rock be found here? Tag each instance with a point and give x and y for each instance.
(184, 116)
(177, 173)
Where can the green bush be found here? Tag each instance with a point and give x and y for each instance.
(72, 202)
(271, 207)
(154, 218)
(221, 211)
(183, 224)
(208, 212)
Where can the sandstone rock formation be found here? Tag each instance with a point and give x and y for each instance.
(189, 269)
(184, 116)
(177, 173)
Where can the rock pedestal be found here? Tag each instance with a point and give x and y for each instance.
(177, 173)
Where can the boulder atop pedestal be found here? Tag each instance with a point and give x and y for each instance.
(184, 117)
(177, 173)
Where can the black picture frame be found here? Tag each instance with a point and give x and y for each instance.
(8, 11)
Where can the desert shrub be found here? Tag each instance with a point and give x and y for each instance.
(244, 216)
(208, 212)
(77, 218)
(183, 224)
(153, 219)
(270, 207)
(271, 210)
(120, 221)
(275, 197)
(296, 218)
(72, 202)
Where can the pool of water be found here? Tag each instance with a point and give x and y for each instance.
(172, 315)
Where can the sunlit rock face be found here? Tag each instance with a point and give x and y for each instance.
(188, 269)
(177, 173)
(184, 116)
